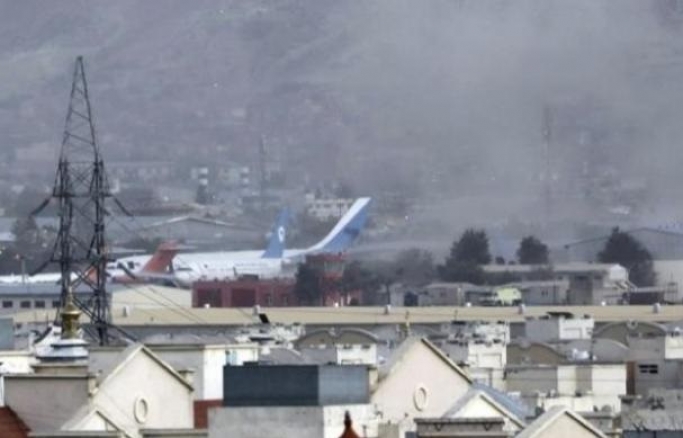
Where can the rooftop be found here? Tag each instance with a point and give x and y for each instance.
(355, 315)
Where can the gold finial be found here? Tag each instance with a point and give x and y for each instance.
(70, 315)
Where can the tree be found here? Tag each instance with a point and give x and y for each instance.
(624, 249)
(308, 288)
(467, 255)
(532, 251)
(472, 247)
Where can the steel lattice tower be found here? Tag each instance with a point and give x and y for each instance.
(81, 189)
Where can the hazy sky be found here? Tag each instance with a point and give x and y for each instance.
(442, 98)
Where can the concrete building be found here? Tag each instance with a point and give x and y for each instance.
(300, 400)
(343, 347)
(484, 359)
(411, 384)
(589, 283)
(655, 362)
(582, 387)
(244, 292)
(559, 422)
(559, 326)
(543, 293)
(657, 414)
(443, 294)
(121, 391)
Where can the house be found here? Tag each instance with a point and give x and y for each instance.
(127, 391)
(418, 380)
(560, 422)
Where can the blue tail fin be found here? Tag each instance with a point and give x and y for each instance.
(278, 235)
(346, 230)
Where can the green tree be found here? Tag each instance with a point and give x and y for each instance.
(308, 288)
(467, 255)
(532, 251)
(472, 247)
(624, 249)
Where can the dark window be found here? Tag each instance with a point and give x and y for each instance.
(25, 304)
(55, 304)
(648, 369)
(39, 304)
(7, 304)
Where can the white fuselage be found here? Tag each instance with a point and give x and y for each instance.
(220, 265)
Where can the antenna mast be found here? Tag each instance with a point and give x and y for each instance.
(81, 189)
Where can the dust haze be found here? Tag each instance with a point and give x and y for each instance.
(439, 102)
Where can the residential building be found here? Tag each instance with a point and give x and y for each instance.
(582, 387)
(343, 347)
(124, 391)
(559, 326)
(411, 384)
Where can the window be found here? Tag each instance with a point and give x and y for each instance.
(648, 369)
(39, 304)
(285, 300)
(25, 304)
(269, 300)
(55, 304)
(7, 304)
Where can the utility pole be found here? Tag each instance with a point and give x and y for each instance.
(80, 189)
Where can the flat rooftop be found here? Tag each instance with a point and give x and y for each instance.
(354, 316)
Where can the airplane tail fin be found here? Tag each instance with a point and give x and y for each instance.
(161, 259)
(278, 235)
(346, 230)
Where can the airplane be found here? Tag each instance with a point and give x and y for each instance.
(155, 264)
(275, 261)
